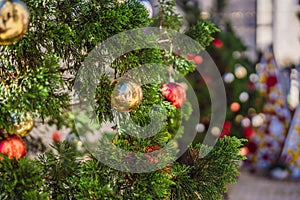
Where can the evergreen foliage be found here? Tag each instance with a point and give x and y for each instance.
(66, 175)
(37, 76)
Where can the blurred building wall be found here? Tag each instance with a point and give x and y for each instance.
(263, 22)
(242, 14)
(286, 31)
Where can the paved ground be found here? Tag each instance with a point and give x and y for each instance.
(254, 187)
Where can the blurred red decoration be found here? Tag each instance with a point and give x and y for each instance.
(244, 151)
(251, 86)
(234, 107)
(248, 132)
(226, 129)
(218, 43)
(126, 177)
(13, 146)
(198, 60)
(149, 149)
(252, 147)
(205, 80)
(56, 136)
(167, 168)
(194, 154)
(271, 81)
(175, 93)
(190, 57)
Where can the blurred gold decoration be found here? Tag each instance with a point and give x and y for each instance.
(240, 72)
(127, 94)
(14, 20)
(24, 128)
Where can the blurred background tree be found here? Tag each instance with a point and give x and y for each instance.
(239, 75)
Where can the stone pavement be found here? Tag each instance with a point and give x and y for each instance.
(254, 187)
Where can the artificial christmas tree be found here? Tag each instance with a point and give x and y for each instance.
(74, 45)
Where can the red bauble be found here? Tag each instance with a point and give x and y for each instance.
(198, 60)
(252, 147)
(234, 107)
(226, 129)
(13, 146)
(150, 149)
(175, 93)
(251, 86)
(244, 151)
(271, 81)
(151, 158)
(248, 132)
(56, 137)
(190, 57)
(218, 43)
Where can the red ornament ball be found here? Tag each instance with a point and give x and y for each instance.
(251, 86)
(190, 57)
(13, 146)
(56, 136)
(244, 151)
(252, 147)
(218, 43)
(271, 81)
(175, 93)
(198, 60)
(248, 132)
(149, 157)
(150, 149)
(226, 129)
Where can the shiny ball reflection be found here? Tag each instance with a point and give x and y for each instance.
(126, 95)
(14, 20)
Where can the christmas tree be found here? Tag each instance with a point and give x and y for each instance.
(228, 51)
(113, 72)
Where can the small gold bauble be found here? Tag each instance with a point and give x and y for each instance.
(24, 128)
(127, 94)
(14, 20)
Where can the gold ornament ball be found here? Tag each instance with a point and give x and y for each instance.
(24, 128)
(127, 94)
(14, 20)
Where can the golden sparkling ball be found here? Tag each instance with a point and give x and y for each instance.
(126, 95)
(24, 128)
(14, 20)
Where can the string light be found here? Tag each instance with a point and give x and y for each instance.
(253, 78)
(240, 72)
(215, 131)
(235, 106)
(200, 128)
(244, 96)
(228, 77)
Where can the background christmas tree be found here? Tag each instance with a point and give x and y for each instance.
(37, 76)
(238, 71)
